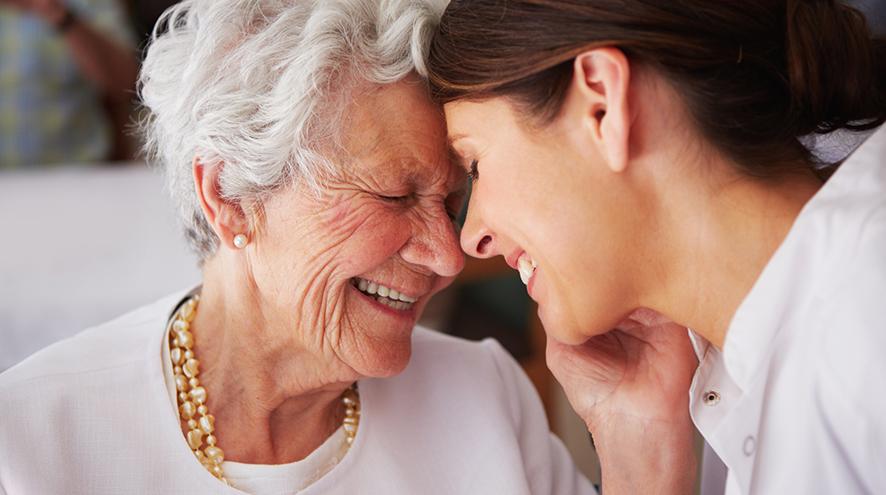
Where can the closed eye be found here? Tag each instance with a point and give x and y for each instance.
(473, 174)
(395, 199)
(456, 204)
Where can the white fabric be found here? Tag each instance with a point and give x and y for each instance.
(81, 245)
(91, 415)
(801, 377)
(282, 479)
(264, 479)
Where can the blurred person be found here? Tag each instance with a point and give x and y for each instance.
(312, 176)
(67, 75)
(643, 155)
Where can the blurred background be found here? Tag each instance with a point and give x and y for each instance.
(87, 234)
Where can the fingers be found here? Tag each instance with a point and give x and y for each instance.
(646, 317)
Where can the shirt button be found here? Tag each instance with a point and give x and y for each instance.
(749, 445)
(711, 398)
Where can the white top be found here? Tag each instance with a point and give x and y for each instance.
(283, 479)
(269, 479)
(795, 403)
(91, 415)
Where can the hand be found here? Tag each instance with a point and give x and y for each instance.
(642, 368)
(631, 388)
(52, 11)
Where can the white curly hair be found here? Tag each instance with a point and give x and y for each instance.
(261, 86)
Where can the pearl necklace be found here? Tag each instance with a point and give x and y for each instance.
(192, 396)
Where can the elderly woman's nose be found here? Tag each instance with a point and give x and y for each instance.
(476, 239)
(435, 246)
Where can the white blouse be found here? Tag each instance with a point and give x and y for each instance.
(92, 415)
(795, 402)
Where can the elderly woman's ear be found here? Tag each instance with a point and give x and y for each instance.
(226, 217)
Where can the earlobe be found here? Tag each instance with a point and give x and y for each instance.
(226, 218)
(603, 76)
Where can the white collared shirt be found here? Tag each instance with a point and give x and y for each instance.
(796, 401)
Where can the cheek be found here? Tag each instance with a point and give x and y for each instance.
(579, 302)
(365, 237)
(590, 279)
(576, 231)
(531, 214)
(320, 249)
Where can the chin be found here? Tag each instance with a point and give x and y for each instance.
(561, 327)
(383, 359)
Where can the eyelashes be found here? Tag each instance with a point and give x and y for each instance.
(473, 174)
(395, 199)
(454, 204)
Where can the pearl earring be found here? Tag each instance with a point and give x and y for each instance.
(240, 241)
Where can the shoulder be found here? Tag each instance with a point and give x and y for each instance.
(105, 372)
(485, 359)
(474, 371)
(478, 390)
(844, 246)
(849, 332)
(74, 400)
(117, 343)
(850, 294)
(466, 371)
(437, 345)
(851, 206)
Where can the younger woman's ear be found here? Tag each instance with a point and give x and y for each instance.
(601, 79)
(226, 218)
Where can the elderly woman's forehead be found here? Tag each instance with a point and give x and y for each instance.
(385, 112)
(399, 127)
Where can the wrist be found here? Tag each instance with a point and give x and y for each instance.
(643, 456)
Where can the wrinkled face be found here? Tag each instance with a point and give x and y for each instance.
(555, 212)
(353, 267)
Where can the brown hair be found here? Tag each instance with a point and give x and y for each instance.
(755, 75)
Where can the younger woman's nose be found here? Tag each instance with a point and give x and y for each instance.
(476, 239)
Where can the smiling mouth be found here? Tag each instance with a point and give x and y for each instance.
(383, 294)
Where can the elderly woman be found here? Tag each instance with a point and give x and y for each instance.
(312, 175)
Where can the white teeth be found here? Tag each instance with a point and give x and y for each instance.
(398, 305)
(526, 266)
(385, 292)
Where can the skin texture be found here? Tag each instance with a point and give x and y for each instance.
(281, 331)
(624, 206)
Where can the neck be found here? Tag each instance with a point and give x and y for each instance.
(274, 399)
(721, 231)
